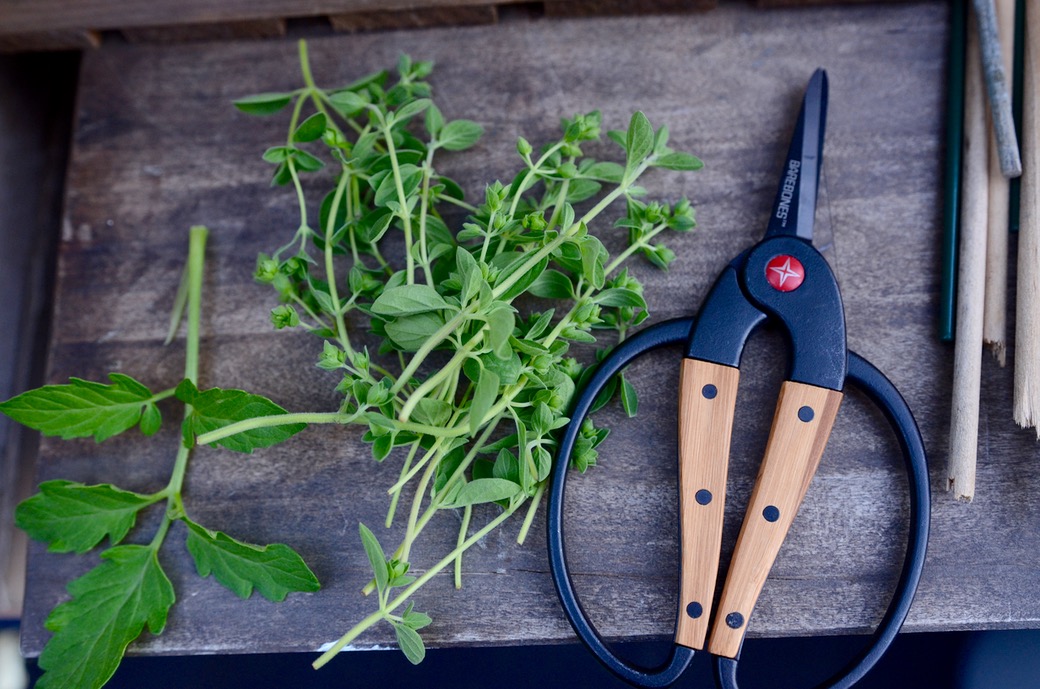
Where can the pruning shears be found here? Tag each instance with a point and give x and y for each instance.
(784, 281)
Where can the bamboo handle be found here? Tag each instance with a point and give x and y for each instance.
(801, 426)
(707, 399)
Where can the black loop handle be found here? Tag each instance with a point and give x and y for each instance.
(863, 376)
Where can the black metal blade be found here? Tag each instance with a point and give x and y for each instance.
(795, 206)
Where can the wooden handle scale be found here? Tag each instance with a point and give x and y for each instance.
(707, 400)
(801, 426)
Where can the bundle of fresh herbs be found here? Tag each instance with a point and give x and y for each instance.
(467, 373)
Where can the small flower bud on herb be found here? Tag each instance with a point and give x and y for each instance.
(284, 316)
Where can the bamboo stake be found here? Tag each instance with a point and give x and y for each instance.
(967, 364)
(997, 87)
(994, 322)
(1027, 330)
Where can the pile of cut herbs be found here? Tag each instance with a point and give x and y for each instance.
(466, 384)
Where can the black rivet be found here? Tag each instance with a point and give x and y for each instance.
(806, 414)
(734, 620)
(694, 610)
(709, 391)
(703, 496)
(771, 513)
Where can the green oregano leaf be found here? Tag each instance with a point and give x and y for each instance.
(410, 642)
(484, 490)
(274, 570)
(376, 557)
(459, 135)
(311, 128)
(408, 299)
(263, 103)
(679, 161)
(639, 140)
(73, 517)
(484, 396)
(629, 400)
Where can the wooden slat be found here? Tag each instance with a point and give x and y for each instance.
(46, 39)
(417, 18)
(222, 31)
(589, 8)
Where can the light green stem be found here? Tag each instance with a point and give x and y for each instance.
(400, 600)
(196, 262)
(273, 420)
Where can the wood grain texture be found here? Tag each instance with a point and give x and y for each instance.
(971, 279)
(417, 18)
(1027, 291)
(994, 322)
(707, 403)
(801, 427)
(157, 148)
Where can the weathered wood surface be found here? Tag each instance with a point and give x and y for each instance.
(60, 25)
(158, 148)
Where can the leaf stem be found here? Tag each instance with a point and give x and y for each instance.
(397, 602)
(273, 420)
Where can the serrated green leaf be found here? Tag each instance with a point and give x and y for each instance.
(263, 103)
(410, 642)
(679, 161)
(274, 570)
(73, 517)
(483, 490)
(311, 128)
(110, 606)
(217, 407)
(82, 408)
(376, 557)
(459, 135)
(639, 140)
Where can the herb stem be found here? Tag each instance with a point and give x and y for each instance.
(405, 214)
(397, 602)
(467, 513)
(536, 500)
(330, 270)
(273, 420)
(433, 381)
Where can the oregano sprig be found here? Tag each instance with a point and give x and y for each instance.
(471, 369)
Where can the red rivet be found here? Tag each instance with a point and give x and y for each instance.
(785, 273)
